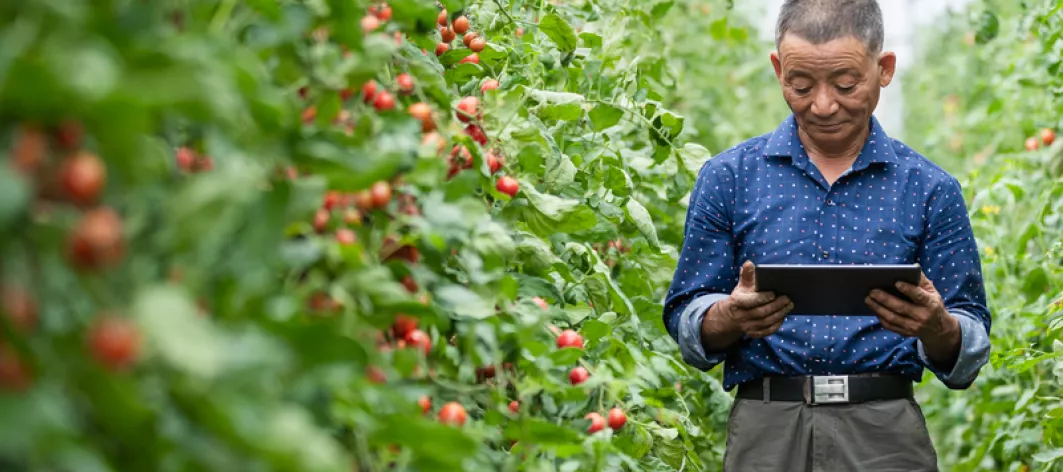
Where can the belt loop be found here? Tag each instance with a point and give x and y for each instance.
(767, 389)
(807, 389)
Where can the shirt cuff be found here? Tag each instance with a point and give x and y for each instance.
(974, 353)
(690, 343)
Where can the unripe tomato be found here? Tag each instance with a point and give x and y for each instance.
(19, 307)
(1032, 144)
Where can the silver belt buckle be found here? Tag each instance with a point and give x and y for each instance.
(830, 389)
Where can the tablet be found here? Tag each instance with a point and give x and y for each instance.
(824, 289)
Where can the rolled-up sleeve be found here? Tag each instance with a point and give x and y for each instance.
(949, 256)
(706, 271)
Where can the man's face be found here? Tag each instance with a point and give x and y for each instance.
(832, 88)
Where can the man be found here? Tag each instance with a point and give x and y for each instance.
(828, 187)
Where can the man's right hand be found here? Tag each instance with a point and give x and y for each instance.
(745, 311)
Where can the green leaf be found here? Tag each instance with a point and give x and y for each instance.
(464, 302)
(563, 112)
(550, 214)
(693, 157)
(560, 173)
(1049, 455)
(642, 220)
(14, 195)
(605, 116)
(171, 322)
(594, 330)
(566, 356)
(559, 31)
(537, 431)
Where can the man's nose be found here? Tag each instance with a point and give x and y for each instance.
(823, 104)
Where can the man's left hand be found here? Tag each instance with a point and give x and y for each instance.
(924, 317)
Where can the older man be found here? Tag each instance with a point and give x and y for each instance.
(828, 187)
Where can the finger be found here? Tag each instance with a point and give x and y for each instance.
(891, 320)
(918, 295)
(774, 320)
(749, 300)
(894, 304)
(764, 311)
(747, 278)
(925, 282)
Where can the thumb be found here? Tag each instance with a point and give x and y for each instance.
(747, 279)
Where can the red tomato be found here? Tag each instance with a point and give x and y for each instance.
(19, 307)
(470, 59)
(441, 49)
(477, 44)
(597, 422)
(446, 34)
(405, 82)
(468, 108)
(97, 240)
(186, 159)
(489, 84)
(29, 149)
(14, 376)
(1048, 136)
(542, 304)
(376, 374)
(1032, 144)
(452, 413)
(514, 406)
(569, 338)
(494, 162)
(114, 342)
(467, 39)
(380, 193)
(384, 101)
(321, 219)
(420, 339)
(461, 25)
(617, 418)
(345, 236)
(422, 112)
(404, 325)
(425, 403)
(578, 375)
(384, 14)
(442, 18)
(83, 177)
(477, 134)
(507, 185)
(370, 23)
(369, 91)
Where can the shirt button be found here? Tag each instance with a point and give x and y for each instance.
(826, 255)
(830, 202)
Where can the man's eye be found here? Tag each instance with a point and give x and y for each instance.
(802, 91)
(846, 89)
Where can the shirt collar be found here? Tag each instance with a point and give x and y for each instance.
(784, 142)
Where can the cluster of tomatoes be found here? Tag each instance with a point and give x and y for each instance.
(578, 375)
(1048, 136)
(54, 163)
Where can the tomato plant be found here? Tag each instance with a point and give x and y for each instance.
(307, 235)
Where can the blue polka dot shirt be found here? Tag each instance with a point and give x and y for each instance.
(766, 202)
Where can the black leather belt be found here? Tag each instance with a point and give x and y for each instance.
(828, 389)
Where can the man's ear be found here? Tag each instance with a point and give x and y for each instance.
(887, 66)
(777, 64)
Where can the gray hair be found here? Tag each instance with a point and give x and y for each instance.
(821, 21)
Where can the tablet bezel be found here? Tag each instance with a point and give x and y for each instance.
(808, 284)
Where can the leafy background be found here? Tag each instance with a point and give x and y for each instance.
(262, 289)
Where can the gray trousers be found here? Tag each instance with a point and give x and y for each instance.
(879, 436)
